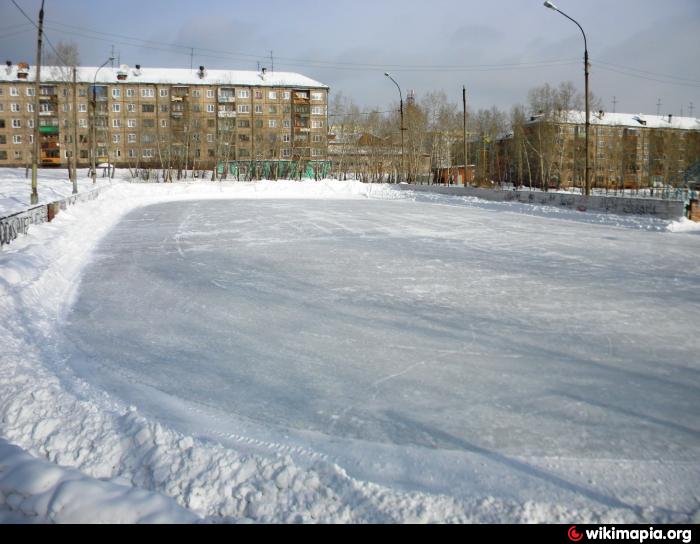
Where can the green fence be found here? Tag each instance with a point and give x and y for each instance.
(248, 170)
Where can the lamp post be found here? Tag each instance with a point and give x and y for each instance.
(403, 162)
(551, 6)
(94, 120)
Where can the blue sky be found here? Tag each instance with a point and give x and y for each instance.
(437, 45)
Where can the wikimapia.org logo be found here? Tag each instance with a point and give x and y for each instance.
(635, 535)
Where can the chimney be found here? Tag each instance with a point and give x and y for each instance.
(8, 68)
(670, 118)
(22, 70)
(138, 66)
(201, 72)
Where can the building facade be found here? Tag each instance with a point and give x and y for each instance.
(165, 118)
(626, 150)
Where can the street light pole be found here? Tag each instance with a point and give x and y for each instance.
(34, 198)
(94, 120)
(403, 162)
(551, 6)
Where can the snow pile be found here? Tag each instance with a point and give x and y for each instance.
(130, 467)
(36, 490)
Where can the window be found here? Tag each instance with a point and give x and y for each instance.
(118, 153)
(196, 93)
(316, 124)
(244, 137)
(3, 155)
(116, 93)
(2, 123)
(131, 108)
(30, 123)
(272, 123)
(131, 138)
(318, 110)
(82, 91)
(287, 123)
(149, 123)
(243, 153)
(272, 95)
(16, 123)
(210, 93)
(82, 123)
(16, 139)
(14, 91)
(273, 110)
(317, 152)
(317, 96)
(116, 108)
(196, 108)
(116, 123)
(30, 91)
(147, 92)
(210, 138)
(14, 108)
(163, 123)
(82, 108)
(146, 138)
(243, 108)
(258, 108)
(163, 93)
(211, 123)
(317, 138)
(243, 94)
(18, 155)
(148, 108)
(30, 108)
(130, 93)
(286, 152)
(116, 138)
(243, 123)
(3, 139)
(210, 108)
(2, 107)
(132, 153)
(131, 123)
(66, 108)
(286, 138)
(163, 108)
(258, 95)
(287, 95)
(147, 153)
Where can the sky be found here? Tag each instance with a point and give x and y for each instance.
(642, 51)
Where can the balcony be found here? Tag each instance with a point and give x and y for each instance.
(47, 113)
(227, 114)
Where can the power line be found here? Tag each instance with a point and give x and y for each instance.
(58, 55)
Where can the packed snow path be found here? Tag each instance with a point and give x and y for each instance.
(424, 347)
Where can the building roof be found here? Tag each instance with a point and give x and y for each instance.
(630, 120)
(166, 76)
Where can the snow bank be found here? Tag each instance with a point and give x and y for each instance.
(122, 467)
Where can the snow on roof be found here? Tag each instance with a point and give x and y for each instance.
(165, 76)
(630, 120)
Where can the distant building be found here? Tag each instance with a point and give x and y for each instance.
(158, 117)
(626, 150)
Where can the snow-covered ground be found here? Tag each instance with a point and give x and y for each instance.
(52, 185)
(341, 352)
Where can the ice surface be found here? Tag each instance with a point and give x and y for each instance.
(402, 357)
(403, 324)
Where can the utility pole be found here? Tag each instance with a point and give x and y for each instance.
(75, 129)
(191, 57)
(466, 156)
(37, 91)
(691, 109)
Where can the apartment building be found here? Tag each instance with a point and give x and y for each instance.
(626, 150)
(161, 117)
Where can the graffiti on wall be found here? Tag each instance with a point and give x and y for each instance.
(11, 227)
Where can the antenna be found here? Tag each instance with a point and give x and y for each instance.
(191, 57)
(272, 61)
(692, 109)
(112, 56)
(658, 107)
(614, 104)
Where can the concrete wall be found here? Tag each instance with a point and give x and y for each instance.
(17, 224)
(662, 209)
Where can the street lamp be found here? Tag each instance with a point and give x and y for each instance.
(551, 6)
(94, 120)
(403, 162)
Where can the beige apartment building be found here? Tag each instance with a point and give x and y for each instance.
(270, 123)
(630, 151)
